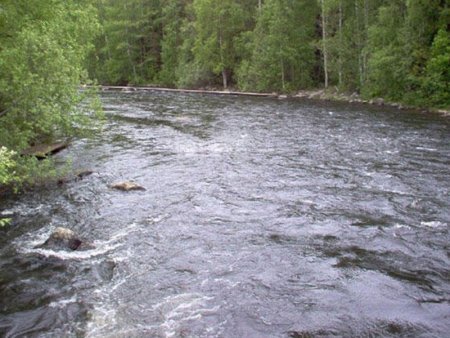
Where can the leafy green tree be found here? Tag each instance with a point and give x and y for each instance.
(389, 62)
(336, 44)
(348, 25)
(282, 47)
(190, 73)
(419, 31)
(217, 23)
(8, 173)
(43, 44)
(173, 13)
(436, 84)
(405, 64)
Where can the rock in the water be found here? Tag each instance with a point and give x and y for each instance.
(127, 186)
(63, 238)
(379, 101)
(83, 173)
(77, 177)
(104, 271)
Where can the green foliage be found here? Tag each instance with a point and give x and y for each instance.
(405, 65)
(43, 44)
(381, 48)
(282, 49)
(388, 61)
(41, 66)
(128, 50)
(217, 23)
(16, 171)
(189, 74)
(5, 221)
(436, 83)
(172, 19)
(8, 167)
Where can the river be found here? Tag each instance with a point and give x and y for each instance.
(260, 218)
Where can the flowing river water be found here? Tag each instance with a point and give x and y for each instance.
(260, 218)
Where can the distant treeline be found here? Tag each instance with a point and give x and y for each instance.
(395, 49)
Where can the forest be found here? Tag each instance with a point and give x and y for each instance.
(398, 50)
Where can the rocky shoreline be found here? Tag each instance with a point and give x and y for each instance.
(318, 94)
(355, 98)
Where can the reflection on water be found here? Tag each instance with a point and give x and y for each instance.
(261, 218)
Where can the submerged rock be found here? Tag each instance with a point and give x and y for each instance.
(78, 176)
(104, 271)
(83, 173)
(127, 186)
(63, 238)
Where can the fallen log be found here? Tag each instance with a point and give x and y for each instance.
(41, 151)
(179, 90)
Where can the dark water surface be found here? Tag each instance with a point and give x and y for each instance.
(261, 218)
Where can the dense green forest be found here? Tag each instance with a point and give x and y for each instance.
(395, 49)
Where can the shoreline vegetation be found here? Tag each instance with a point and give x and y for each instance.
(317, 94)
(395, 50)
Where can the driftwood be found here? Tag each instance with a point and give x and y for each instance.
(43, 150)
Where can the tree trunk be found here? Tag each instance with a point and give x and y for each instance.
(108, 50)
(224, 71)
(359, 45)
(225, 79)
(340, 44)
(366, 32)
(324, 45)
(130, 59)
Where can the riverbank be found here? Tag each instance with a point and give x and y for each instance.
(318, 94)
(321, 94)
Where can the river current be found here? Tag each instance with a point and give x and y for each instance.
(260, 218)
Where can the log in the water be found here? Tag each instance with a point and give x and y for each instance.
(197, 91)
(43, 150)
